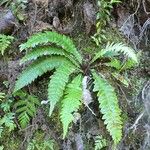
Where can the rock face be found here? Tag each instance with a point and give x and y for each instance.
(89, 15)
(7, 21)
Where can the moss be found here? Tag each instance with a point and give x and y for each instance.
(10, 141)
(41, 141)
(39, 136)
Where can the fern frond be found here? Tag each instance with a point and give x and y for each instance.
(60, 40)
(57, 84)
(7, 120)
(100, 143)
(46, 50)
(122, 48)
(114, 49)
(37, 69)
(109, 107)
(23, 119)
(71, 102)
(5, 41)
(26, 109)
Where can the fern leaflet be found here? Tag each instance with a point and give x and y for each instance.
(41, 51)
(128, 64)
(2, 96)
(114, 63)
(38, 68)
(100, 143)
(71, 102)
(108, 106)
(52, 37)
(57, 84)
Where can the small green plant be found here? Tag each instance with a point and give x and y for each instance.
(6, 120)
(46, 145)
(26, 107)
(103, 16)
(18, 8)
(100, 143)
(5, 42)
(53, 51)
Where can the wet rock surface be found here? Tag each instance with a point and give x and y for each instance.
(7, 21)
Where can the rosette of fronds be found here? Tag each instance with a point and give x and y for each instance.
(50, 51)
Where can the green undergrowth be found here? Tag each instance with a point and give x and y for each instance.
(87, 45)
(42, 142)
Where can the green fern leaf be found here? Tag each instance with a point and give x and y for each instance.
(57, 84)
(37, 69)
(26, 109)
(52, 37)
(5, 42)
(115, 49)
(100, 143)
(46, 50)
(109, 107)
(120, 47)
(71, 102)
(23, 119)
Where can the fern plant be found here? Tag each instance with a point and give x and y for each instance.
(52, 51)
(5, 42)
(7, 119)
(25, 107)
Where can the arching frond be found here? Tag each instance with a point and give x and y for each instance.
(37, 69)
(60, 40)
(108, 107)
(113, 49)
